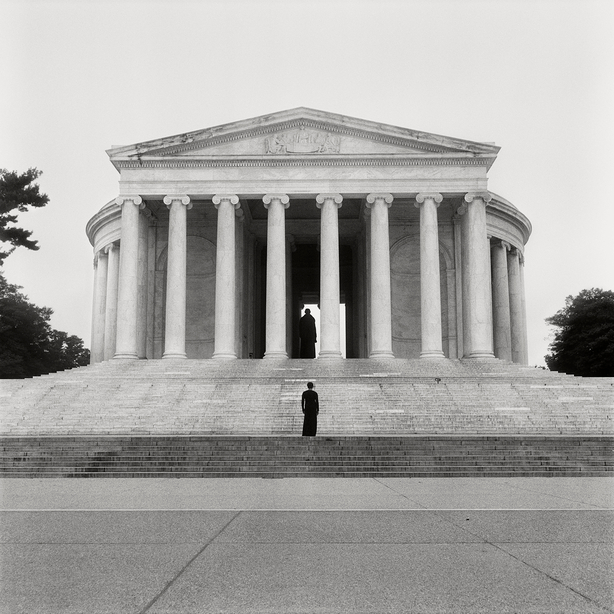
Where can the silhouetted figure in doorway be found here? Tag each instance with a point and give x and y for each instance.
(308, 335)
(311, 409)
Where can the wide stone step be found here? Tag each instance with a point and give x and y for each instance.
(297, 456)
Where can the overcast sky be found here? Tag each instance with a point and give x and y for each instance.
(536, 77)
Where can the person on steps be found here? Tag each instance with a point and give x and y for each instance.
(311, 408)
(308, 335)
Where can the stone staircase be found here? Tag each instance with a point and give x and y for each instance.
(241, 418)
(279, 457)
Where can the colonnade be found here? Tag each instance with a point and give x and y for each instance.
(509, 325)
(493, 324)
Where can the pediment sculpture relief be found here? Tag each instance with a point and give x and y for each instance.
(302, 141)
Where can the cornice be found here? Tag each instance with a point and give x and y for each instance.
(109, 212)
(276, 162)
(191, 144)
(498, 206)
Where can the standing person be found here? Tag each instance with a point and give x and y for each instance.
(308, 335)
(311, 408)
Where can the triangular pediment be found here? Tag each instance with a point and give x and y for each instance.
(303, 132)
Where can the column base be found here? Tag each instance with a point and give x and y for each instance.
(125, 356)
(381, 354)
(434, 354)
(480, 354)
(171, 355)
(276, 355)
(327, 354)
(224, 356)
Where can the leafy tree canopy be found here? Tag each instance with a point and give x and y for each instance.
(584, 342)
(28, 344)
(17, 194)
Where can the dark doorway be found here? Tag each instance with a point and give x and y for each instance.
(306, 291)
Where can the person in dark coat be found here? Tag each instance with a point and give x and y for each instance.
(311, 408)
(308, 335)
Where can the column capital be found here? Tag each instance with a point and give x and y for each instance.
(182, 198)
(284, 199)
(233, 199)
(501, 243)
(436, 197)
(107, 248)
(471, 196)
(322, 198)
(515, 251)
(135, 200)
(373, 198)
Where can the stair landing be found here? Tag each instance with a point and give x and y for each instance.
(262, 398)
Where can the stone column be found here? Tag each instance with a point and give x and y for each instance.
(458, 285)
(290, 248)
(525, 341)
(501, 301)
(110, 319)
(330, 336)
(381, 303)
(127, 292)
(174, 335)
(225, 277)
(101, 261)
(515, 298)
(276, 275)
(143, 271)
(477, 300)
(430, 292)
(240, 302)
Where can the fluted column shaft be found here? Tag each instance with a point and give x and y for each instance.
(110, 319)
(430, 292)
(501, 301)
(276, 276)
(127, 293)
(330, 337)
(290, 247)
(516, 310)
(176, 277)
(99, 306)
(141, 330)
(225, 277)
(381, 303)
(477, 299)
(525, 342)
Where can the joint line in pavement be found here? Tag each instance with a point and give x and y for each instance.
(183, 569)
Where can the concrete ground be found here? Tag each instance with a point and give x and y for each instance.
(465, 545)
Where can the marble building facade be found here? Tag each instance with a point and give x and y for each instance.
(218, 237)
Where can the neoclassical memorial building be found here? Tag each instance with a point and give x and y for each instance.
(219, 237)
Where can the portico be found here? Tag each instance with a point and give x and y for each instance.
(223, 233)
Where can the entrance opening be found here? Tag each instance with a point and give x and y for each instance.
(305, 293)
(315, 312)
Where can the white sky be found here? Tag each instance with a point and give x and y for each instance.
(534, 76)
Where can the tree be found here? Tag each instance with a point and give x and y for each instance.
(17, 193)
(28, 344)
(584, 342)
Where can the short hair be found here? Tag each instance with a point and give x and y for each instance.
(309, 384)
(307, 310)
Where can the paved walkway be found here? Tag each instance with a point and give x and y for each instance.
(307, 545)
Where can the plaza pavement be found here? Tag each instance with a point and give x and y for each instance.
(464, 545)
